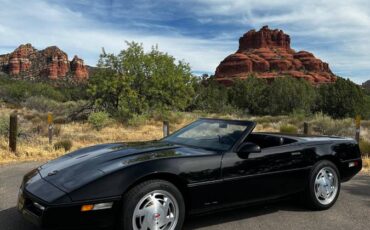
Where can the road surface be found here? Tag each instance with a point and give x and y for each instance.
(352, 210)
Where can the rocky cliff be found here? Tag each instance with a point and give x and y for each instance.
(366, 85)
(26, 62)
(267, 54)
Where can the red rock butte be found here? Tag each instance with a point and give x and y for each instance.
(267, 54)
(52, 63)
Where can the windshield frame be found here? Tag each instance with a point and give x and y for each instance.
(250, 125)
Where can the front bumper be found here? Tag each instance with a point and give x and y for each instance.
(67, 216)
(31, 217)
(45, 206)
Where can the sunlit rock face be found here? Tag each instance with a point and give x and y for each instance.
(366, 85)
(19, 60)
(79, 70)
(267, 54)
(50, 63)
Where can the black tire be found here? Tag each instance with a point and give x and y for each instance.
(310, 197)
(133, 197)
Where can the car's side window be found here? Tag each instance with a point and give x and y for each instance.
(267, 141)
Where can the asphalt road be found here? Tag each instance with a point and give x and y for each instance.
(352, 210)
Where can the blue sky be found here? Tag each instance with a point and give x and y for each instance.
(200, 32)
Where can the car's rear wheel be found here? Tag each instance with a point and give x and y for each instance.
(324, 185)
(153, 204)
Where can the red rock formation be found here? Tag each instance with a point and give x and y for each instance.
(267, 54)
(19, 59)
(51, 63)
(366, 85)
(265, 38)
(57, 62)
(79, 69)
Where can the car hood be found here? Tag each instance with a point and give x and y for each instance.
(85, 165)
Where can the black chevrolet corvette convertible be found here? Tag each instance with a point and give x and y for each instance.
(210, 164)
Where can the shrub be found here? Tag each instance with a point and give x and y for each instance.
(57, 130)
(298, 116)
(137, 120)
(40, 129)
(165, 115)
(17, 91)
(325, 125)
(75, 93)
(98, 120)
(41, 104)
(341, 99)
(287, 128)
(60, 120)
(365, 147)
(211, 97)
(4, 125)
(286, 95)
(249, 94)
(366, 163)
(63, 144)
(269, 119)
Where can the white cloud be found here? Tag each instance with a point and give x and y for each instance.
(343, 25)
(54, 25)
(336, 31)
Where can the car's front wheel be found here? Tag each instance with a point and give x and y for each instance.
(153, 204)
(324, 185)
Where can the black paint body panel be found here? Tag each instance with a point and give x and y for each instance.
(208, 179)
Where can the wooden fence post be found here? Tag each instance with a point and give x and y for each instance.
(50, 127)
(305, 128)
(13, 131)
(358, 128)
(166, 128)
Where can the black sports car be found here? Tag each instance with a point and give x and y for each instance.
(210, 164)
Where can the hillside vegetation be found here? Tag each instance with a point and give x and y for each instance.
(134, 84)
(131, 93)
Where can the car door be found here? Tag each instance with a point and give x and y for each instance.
(274, 172)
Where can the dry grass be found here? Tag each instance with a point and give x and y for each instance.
(34, 145)
(366, 164)
(37, 148)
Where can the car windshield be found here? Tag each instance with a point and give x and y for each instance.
(209, 134)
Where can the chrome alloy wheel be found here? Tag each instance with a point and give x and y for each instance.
(158, 210)
(326, 185)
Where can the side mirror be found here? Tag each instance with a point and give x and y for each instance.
(246, 148)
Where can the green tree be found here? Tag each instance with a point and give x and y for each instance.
(167, 85)
(286, 95)
(341, 99)
(211, 96)
(366, 108)
(135, 82)
(249, 94)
